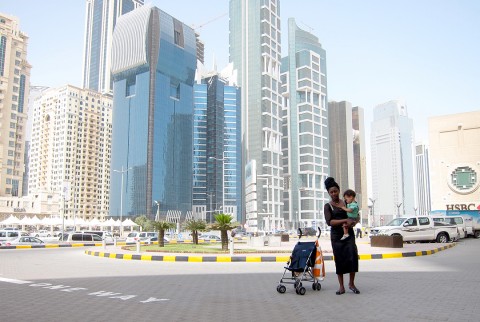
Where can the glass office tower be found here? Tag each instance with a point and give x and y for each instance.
(255, 51)
(100, 19)
(305, 128)
(217, 149)
(153, 65)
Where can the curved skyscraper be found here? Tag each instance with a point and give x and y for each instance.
(153, 67)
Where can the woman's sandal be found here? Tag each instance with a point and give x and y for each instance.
(354, 290)
(340, 292)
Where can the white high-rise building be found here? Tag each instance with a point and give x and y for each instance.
(14, 88)
(100, 19)
(255, 52)
(422, 171)
(305, 119)
(71, 149)
(392, 162)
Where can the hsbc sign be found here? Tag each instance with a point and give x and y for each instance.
(463, 206)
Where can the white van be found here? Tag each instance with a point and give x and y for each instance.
(79, 237)
(7, 235)
(106, 235)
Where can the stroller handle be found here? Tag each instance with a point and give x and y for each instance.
(300, 233)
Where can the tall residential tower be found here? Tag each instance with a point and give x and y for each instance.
(255, 52)
(305, 132)
(14, 89)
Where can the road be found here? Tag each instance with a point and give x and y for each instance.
(67, 285)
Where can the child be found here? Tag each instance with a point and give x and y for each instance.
(351, 209)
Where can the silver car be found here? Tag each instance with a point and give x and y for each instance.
(24, 240)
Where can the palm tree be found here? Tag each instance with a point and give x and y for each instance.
(224, 223)
(195, 225)
(161, 226)
(144, 222)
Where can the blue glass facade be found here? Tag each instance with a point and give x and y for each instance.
(217, 148)
(3, 49)
(153, 113)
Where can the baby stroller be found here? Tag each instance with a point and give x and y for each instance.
(306, 265)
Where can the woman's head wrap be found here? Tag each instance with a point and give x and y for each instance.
(330, 182)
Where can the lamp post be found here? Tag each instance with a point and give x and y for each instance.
(373, 210)
(223, 177)
(122, 172)
(210, 195)
(415, 209)
(265, 177)
(398, 204)
(157, 217)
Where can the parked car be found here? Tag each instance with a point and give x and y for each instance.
(80, 237)
(418, 229)
(24, 240)
(41, 233)
(142, 236)
(106, 235)
(210, 237)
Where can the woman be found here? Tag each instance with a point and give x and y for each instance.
(344, 251)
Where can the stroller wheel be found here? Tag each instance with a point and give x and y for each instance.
(301, 290)
(281, 289)
(297, 284)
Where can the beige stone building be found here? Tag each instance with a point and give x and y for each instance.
(455, 162)
(71, 150)
(14, 88)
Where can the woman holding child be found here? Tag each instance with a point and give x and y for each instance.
(344, 249)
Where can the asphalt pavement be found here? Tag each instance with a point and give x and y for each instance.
(64, 284)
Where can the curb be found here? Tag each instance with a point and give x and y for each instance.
(250, 258)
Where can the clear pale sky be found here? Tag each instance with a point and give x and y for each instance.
(426, 52)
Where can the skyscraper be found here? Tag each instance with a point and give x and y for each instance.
(305, 132)
(70, 147)
(255, 52)
(422, 171)
(100, 19)
(360, 161)
(217, 148)
(342, 166)
(153, 66)
(392, 162)
(14, 89)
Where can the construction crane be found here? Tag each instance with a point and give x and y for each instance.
(209, 21)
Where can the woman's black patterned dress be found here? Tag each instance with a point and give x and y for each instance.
(344, 251)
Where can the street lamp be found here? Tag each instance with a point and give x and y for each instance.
(265, 177)
(122, 172)
(398, 204)
(157, 217)
(415, 209)
(223, 177)
(373, 210)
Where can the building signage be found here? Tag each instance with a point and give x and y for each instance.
(463, 206)
(19, 210)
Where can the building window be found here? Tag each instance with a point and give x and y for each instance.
(3, 49)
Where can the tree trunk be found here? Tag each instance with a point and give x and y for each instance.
(161, 235)
(195, 237)
(224, 236)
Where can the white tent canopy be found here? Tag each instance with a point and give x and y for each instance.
(129, 222)
(12, 220)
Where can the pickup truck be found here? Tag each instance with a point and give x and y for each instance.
(418, 229)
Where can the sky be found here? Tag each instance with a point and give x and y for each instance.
(425, 52)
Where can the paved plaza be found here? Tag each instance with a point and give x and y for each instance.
(65, 284)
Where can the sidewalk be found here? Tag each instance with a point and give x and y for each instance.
(270, 253)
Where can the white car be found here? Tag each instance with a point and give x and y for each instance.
(41, 233)
(210, 237)
(25, 240)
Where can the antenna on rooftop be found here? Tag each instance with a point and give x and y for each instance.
(194, 27)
